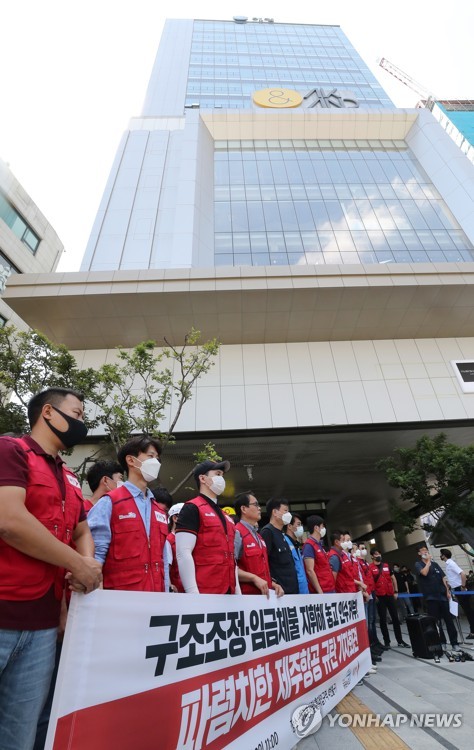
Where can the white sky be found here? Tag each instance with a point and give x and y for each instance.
(73, 74)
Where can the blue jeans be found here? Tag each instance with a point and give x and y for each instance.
(26, 665)
(371, 617)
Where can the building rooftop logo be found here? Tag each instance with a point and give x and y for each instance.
(277, 98)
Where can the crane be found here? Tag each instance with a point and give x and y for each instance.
(428, 97)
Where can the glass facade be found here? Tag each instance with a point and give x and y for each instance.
(284, 202)
(229, 61)
(18, 225)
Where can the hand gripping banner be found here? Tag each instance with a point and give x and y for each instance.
(145, 671)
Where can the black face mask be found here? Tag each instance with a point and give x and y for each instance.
(377, 559)
(75, 433)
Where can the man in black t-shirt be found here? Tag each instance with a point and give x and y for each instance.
(282, 566)
(434, 587)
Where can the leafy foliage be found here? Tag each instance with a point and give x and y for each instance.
(208, 452)
(132, 395)
(29, 363)
(434, 477)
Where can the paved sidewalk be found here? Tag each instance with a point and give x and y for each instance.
(410, 686)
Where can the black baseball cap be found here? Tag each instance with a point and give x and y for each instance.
(208, 465)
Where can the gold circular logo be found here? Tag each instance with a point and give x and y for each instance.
(277, 98)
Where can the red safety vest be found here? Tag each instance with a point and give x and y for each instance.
(367, 576)
(175, 578)
(382, 579)
(134, 561)
(322, 569)
(254, 559)
(24, 578)
(87, 506)
(214, 551)
(345, 577)
(357, 569)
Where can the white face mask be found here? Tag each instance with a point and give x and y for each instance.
(286, 517)
(150, 468)
(357, 553)
(363, 552)
(425, 556)
(322, 532)
(346, 545)
(119, 483)
(218, 485)
(299, 532)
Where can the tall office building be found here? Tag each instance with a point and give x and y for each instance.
(272, 195)
(208, 177)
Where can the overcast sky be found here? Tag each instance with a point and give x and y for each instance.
(74, 74)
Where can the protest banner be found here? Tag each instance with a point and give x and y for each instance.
(144, 671)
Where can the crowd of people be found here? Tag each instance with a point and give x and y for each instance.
(127, 537)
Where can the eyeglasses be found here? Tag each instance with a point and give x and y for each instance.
(257, 505)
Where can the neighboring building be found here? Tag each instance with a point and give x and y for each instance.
(28, 243)
(457, 118)
(271, 195)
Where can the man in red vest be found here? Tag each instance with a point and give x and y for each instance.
(130, 527)
(385, 591)
(205, 536)
(349, 549)
(102, 477)
(252, 557)
(43, 533)
(175, 580)
(318, 571)
(341, 565)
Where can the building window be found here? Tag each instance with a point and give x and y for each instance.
(18, 225)
(6, 270)
(292, 202)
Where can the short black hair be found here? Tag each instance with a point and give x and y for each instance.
(242, 500)
(162, 495)
(293, 516)
(314, 521)
(136, 445)
(374, 550)
(335, 535)
(275, 503)
(54, 396)
(101, 469)
(421, 546)
(446, 553)
(206, 466)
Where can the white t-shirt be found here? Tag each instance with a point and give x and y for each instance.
(453, 574)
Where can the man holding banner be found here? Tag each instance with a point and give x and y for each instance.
(43, 533)
(128, 525)
(252, 557)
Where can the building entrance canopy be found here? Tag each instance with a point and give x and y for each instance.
(329, 471)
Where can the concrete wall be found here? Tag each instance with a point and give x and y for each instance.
(325, 383)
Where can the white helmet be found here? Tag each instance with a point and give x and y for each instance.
(175, 509)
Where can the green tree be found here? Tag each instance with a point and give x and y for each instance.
(435, 478)
(132, 395)
(29, 362)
